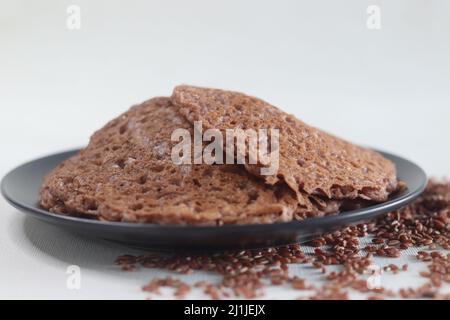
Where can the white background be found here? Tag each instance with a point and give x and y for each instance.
(385, 88)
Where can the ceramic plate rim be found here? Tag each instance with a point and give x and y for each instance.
(359, 214)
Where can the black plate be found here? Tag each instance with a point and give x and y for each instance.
(21, 189)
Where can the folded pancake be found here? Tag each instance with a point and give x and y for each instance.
(326, 173)
(126, 174)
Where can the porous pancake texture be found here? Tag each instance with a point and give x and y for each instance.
(316, 165)
(126, 174)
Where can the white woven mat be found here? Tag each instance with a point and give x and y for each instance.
(35, 257)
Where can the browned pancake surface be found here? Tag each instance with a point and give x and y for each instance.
(126, 174)
(313, 163)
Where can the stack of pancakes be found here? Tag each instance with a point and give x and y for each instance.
(126, 173)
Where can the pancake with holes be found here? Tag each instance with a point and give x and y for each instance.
(126, 174)
(328, 174)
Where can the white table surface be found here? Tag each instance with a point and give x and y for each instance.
(386, 88)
